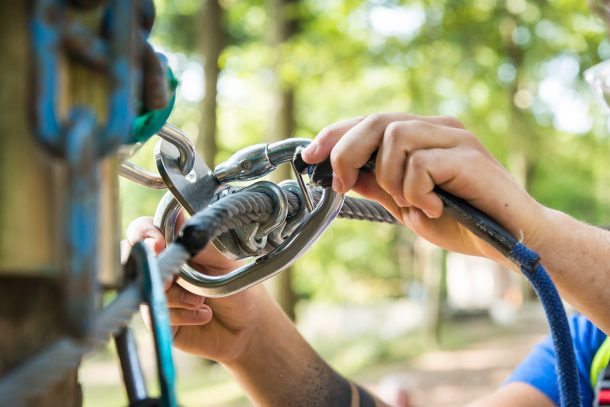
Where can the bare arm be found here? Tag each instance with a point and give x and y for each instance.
(279, 368)
(577, 257)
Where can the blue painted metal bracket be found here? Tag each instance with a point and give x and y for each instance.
(81, 138)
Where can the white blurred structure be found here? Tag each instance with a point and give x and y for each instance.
(478, 284)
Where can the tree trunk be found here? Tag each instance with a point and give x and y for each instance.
(213, 41)
(285, 21)
(431, 261)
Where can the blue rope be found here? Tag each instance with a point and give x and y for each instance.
(567, 372)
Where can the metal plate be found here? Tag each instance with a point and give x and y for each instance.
(194, 191)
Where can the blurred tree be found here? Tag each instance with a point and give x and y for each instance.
(285, 17)
(213, 41)
(509, 69)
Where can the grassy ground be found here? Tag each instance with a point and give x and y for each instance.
(472, 359)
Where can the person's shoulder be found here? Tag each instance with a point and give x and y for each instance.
(587, 337)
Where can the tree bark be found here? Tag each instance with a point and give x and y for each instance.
(431, 261)
(213, 42)
(285, 20)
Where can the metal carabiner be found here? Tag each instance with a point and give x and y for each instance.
(253, 237)
(270, 264)
(278, 236)
(148, 178)
(142, 266)
(204, 188)
(258, 160)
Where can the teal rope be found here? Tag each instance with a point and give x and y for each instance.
(149, 122)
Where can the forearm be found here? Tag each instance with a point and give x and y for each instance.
(577, 257)
(279, 368)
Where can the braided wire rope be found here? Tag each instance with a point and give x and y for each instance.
(34, 378)
(241, 207)
(565, 368)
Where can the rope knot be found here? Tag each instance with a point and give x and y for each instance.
(524, 256)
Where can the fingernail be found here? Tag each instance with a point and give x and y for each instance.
(311, 149)
(401, 202)
(189, 298)
(202, 313)
(430, 214)
(337, 185)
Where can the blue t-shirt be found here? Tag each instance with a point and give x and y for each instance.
(538, 369)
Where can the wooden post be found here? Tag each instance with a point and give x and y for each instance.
(32, 198)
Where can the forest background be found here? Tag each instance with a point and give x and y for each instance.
(255, 71)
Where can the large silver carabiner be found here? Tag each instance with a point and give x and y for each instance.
(270, 264)
(204, 188)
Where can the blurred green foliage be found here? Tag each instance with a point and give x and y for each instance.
(510, 70)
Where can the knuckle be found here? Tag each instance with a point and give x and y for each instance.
(394, 132)
(375, 119)
(417, 126)
(384, 183)
(472, 155)
(337, 159)
(451, 122)
(469, 137)
(417, 161)
(328, 132)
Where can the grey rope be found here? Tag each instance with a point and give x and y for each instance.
(361, 209)
(243, 207)
(353, 208)
(31, 380)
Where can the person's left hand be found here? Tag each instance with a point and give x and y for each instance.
(217, 329)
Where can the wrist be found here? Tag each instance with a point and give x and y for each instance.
(543, 229)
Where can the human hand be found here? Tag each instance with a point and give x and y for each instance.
(415, 153)
(219, 328)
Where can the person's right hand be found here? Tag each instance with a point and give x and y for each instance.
(214, 328)
(415, 154)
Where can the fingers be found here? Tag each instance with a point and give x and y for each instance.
(213, 262)
(419, 183)
(143, 229)
(402, 139)
(181, 316)
(178, 297)
(354, 148)
(186, 308)
(324, 142)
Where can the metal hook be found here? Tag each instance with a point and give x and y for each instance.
(184, 145)
(280, 207)
(186, 160)
(278, 236)
(258, 160)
